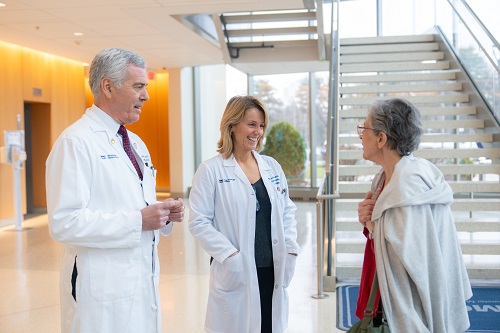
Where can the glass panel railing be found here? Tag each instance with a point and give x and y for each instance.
(476, 48)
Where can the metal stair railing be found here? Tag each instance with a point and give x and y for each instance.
(328, 190)
(322, 223)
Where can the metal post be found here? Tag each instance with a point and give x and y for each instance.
(319, 227)
(16, 168)
(17, 164)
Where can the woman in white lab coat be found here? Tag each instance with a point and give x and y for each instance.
(243, 217)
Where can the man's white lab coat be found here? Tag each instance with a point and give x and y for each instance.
(94, 198)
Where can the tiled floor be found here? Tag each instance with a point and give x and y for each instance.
(29, 281)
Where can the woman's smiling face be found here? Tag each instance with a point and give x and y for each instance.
(249, 131)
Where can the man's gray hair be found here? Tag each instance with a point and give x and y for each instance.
(112, 63)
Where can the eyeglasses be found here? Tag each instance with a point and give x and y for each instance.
(361, 129)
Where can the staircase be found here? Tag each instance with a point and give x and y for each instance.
(273, 41)
(422, 70)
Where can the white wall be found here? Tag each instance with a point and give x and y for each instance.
(181, 124)
(181, 121)
(213, 101)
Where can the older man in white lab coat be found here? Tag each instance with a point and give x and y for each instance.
(102, 205)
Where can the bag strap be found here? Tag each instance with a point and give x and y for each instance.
(368, 316)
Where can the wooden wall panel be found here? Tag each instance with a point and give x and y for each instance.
(11, 104)
(163, 177)
(65, 89)
(68, 104)
(36, 76)
(62, 84)
(89, 98)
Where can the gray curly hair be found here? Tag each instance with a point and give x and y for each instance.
(400, 120)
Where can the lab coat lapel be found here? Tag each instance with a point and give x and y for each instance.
(265, 171)
(98, 127)
(238, 172)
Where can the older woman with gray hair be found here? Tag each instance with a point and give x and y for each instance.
(412, 241)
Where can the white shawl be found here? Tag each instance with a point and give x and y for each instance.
(422, 276)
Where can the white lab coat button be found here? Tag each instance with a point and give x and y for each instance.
(276, 287)
(112, 140)
(275, 241)
(277, 263)
(154, 307)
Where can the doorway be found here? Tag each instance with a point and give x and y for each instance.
(37, 145)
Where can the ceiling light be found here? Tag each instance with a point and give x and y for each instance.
(2, 4)
(78, 33)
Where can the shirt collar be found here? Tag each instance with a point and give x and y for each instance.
(108, 123)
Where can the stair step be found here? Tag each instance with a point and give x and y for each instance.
(475, 272)
(384, 48)
(433, 153)
(401, 87)
(386, 40)
(428, 124)
(271, 32)
(428, 99)
(476, 205)
(295, 16)
(471, 225)
(432, 137)
(456, 186)
(455, 124)
(424, 111)
(358, 246)
(393, 67)
(390, 57)
(462, 205)
(401, 77)
(279, 44)
(446, 169)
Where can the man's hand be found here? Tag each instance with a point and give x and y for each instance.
(176, 209)
(158, 215)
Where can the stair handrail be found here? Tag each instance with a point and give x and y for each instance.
(321, 222)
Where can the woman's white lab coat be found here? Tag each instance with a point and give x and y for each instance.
(222, 219)
(94, 198)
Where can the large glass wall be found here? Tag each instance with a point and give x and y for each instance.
(301, 100)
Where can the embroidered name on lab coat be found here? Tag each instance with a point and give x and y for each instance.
(108, 157)
(276, 181)
(227, 180)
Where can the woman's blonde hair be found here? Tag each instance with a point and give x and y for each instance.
(233, 115)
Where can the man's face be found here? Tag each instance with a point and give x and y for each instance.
(127, 101)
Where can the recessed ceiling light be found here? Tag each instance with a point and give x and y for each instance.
(2, 4)
(78, 34)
